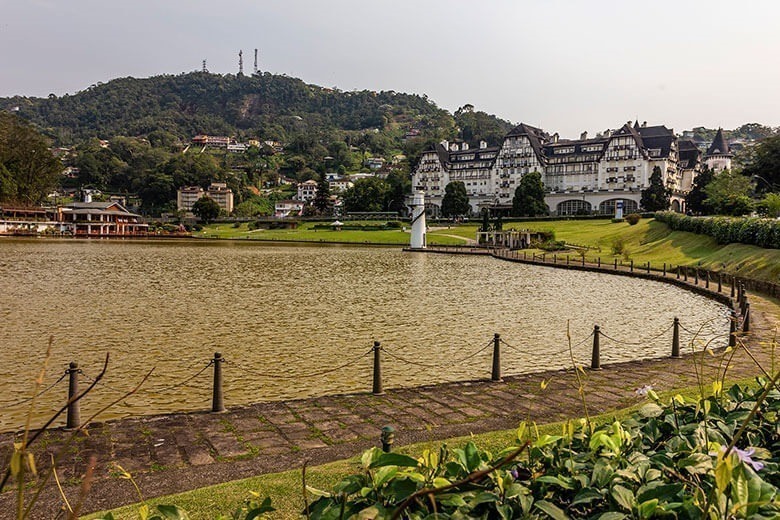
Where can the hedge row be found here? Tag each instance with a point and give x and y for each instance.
(726, 230)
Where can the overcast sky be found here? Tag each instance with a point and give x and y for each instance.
(566, 66)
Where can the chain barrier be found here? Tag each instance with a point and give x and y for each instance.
(563, 351)
(296, 376)
(637, 343)
(101, 383)
(182, 383)
(28, 399)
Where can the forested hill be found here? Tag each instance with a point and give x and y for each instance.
(265, 106)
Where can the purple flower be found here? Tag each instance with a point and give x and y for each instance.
(643, 390)
(515, 474)
(744, 456)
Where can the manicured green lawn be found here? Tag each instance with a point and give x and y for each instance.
(306, 232)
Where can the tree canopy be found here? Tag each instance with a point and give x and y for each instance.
(763, 164)
(28, 170)
(729, 194)
(657, 196)
(206, 209)
(696, 199)
(369, 194)
(529, 197)
(456, 200)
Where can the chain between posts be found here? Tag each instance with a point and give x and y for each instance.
(296, 376)
(28, 399)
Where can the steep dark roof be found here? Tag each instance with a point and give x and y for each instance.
(658, 137)
(578, 145)
(719, 145)
(689, 154)
(536, 136)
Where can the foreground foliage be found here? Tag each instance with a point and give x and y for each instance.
(726, 230)
(676, 459)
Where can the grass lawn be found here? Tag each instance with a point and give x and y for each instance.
(306, 232)
(285, 488)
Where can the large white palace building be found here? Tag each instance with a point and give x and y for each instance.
(579, 176)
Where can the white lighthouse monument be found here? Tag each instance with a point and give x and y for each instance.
(418, 221)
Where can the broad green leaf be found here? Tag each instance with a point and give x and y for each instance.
(483, 497)
(143, 511)
(651, 410)
(553, 511)
(611, 515)
(16, 463)
(384, 474)
(544, 440)
(667, 492)
(549, 479)
(586, 496)
(440, 482)
(369, 456)
(624, 497)
(472, 458)
(394, 459)
(646, 509)
(696, 463)
(722, 474)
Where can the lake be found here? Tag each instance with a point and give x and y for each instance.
(281, 315)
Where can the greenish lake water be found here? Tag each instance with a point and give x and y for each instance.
(282, 314)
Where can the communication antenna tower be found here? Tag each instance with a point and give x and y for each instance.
(241, 62)
(204, 67)
(255, 61)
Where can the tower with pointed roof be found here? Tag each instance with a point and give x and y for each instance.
(718, 156)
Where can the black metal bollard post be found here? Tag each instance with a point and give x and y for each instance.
(595, 359)
(648, 267)
(678, 272)
(696, 275)
(732, 286)
(555, 259)
(664, 269)
(746, 318)
(733, 329)
(685, 274)
(377, 387)
(388, 438)
(217, 402)
(524, 255)
(615, 264)
(676, 338)
(599, 262)
(583, 260)
(567, 259)
(632, 265)
(74, 413)
(720, 282)
(706, 279)
(496, 372)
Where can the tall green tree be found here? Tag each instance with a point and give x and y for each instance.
(529, 197)
(456, 200)
(657, 196)
(28, 170)
(763, 162)
(370, 194)
(322, 198)
(729, 194)
(696, 199)
(206, 209)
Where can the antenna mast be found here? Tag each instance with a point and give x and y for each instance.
(255, 61)
(241, 62)
(204, 67)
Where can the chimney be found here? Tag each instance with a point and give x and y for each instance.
(454, 147)
(644, 124)
(464, 146)
(584, 135)
(555, 137)
(482, 144)
(445, 144)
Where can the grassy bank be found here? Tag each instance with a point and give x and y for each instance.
(285, 487)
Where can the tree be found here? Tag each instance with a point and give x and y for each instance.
(696, 199)
(322, 198)
(400, 186)
(729, 194)
(456, 200)
(656, 197)
(28, 170)
(764, 162)
(370, 194)
(206, 209)
(770, 205)
(529, 197)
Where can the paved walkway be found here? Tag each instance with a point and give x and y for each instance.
(173, 453)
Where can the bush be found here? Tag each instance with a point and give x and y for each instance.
(618, 220)
(618, 245)
(726, 230)
(705, 458)
(633, 218)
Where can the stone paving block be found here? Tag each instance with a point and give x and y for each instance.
(225, 444)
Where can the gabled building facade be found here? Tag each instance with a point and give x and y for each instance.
(586, 175)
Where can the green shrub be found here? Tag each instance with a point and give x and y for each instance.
(618, 245)
(633, 218)
(753, 231)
